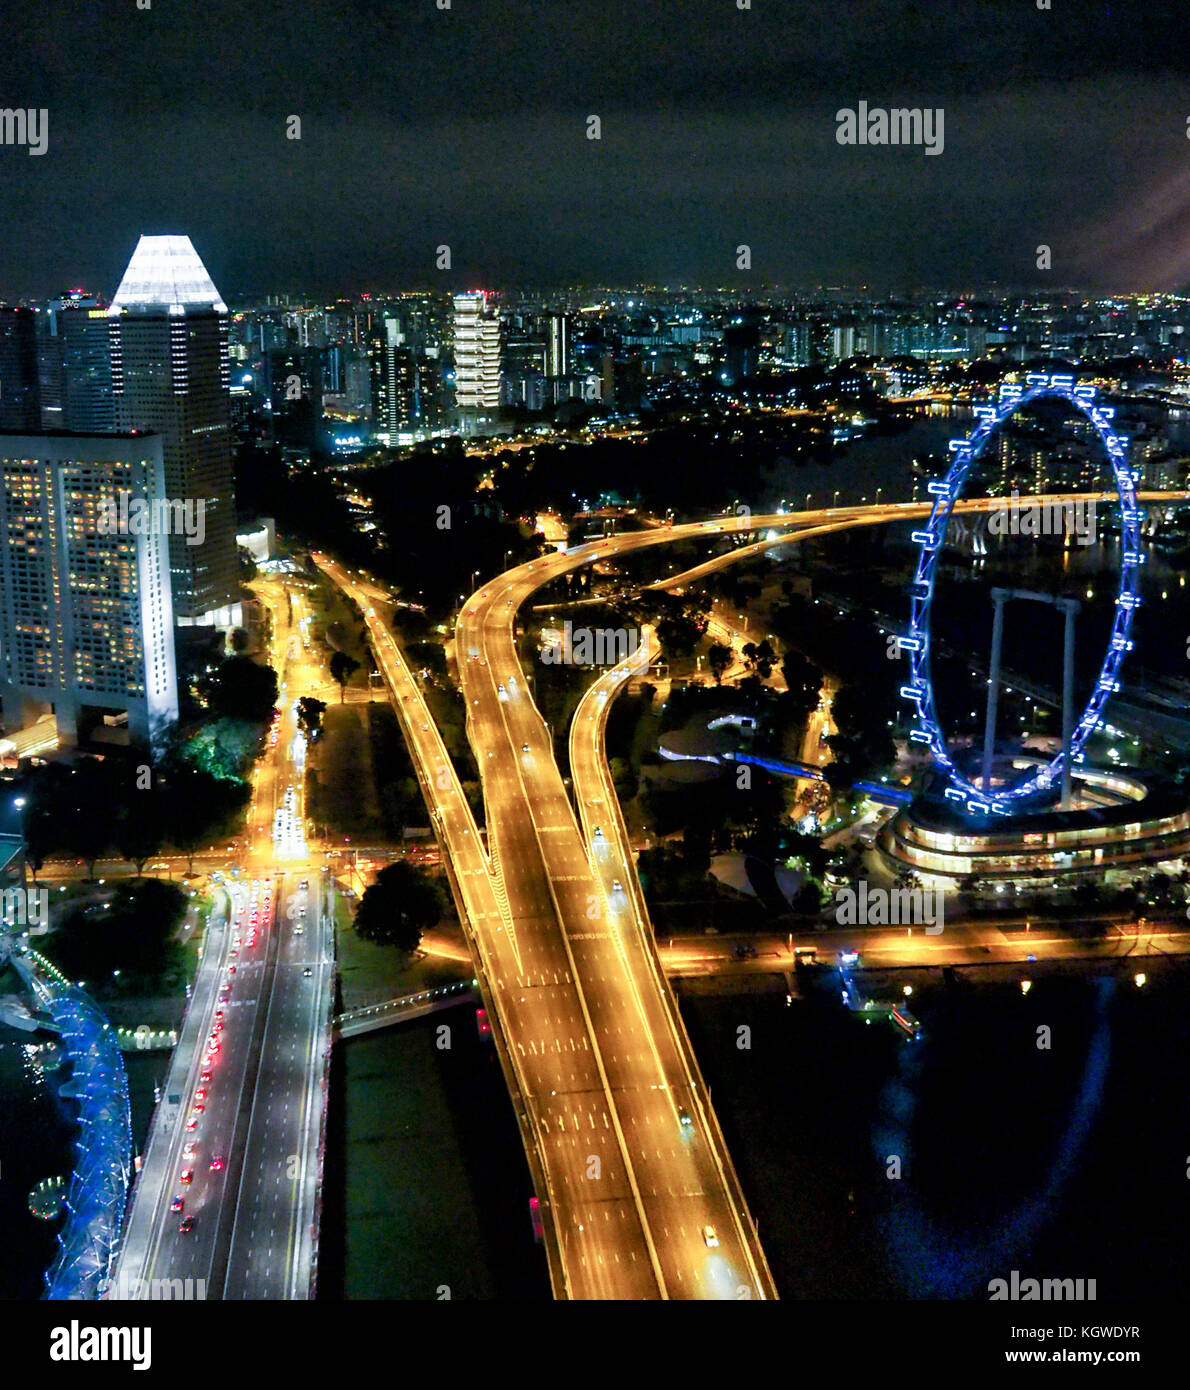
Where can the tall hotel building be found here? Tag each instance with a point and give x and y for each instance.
(477, 360)
(170, 375)
(86, 621)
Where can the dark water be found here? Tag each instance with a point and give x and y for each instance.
(1066, 1162)
(36, 1141)
(885, 461)
(877, 461)
(426, 1183)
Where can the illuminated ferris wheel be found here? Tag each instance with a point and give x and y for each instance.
(983, 800)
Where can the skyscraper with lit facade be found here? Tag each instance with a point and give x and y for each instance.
(86, 618)
(75, 357)
(477, 359)
(170, 374)
(557, 346)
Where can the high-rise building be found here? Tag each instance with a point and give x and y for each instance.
(477, 358)
(842, 342)
(797, 344)
(293, 383)
(741, 352)
(398, 410)
(74, 347)
(170, 374)
(557, 355)
(86, 619)
(20, 401)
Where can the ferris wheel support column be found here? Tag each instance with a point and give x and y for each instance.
(1071, 607)
(999, 596)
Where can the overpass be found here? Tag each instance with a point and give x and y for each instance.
(409, 1006)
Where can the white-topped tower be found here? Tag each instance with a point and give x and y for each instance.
(170, 374)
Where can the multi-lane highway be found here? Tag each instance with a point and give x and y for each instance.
(272, 1250)
(177, 1225)
(644, 1208)
(226, 1195)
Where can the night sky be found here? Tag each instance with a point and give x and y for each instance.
(467, 127)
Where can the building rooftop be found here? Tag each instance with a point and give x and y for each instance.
(166, 272)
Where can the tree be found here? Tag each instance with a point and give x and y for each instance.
(40, 839)
(134, 934)
(196, 805)
(309, 716)
(719, 659)
(240, 688)
(804, 682)
(808, 898)
(342, 668)
(141, 831)
(399, 906)
(91, 797)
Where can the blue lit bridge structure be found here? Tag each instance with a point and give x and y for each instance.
(98, 1084)
(95, 1201)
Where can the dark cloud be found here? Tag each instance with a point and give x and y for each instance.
(466, 126)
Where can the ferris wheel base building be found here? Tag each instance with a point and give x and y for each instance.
(1121, 823)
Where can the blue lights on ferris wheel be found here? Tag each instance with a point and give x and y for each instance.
(919, 690)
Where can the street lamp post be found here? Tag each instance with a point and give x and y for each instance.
(836, 502)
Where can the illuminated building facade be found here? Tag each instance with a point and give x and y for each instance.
(1146, 825)
(86, 619)
(477, 358)
(170, 375)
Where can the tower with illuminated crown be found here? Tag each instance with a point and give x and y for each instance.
(170, 374)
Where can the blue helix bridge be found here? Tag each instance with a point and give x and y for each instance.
(95, 1200)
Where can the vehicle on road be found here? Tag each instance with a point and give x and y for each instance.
(178, 1203)
(684, 1118)
(187, 1226)
(186, 1175)
(617, 886)
(307, 972)
(218, 1163)
(709, 1236)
